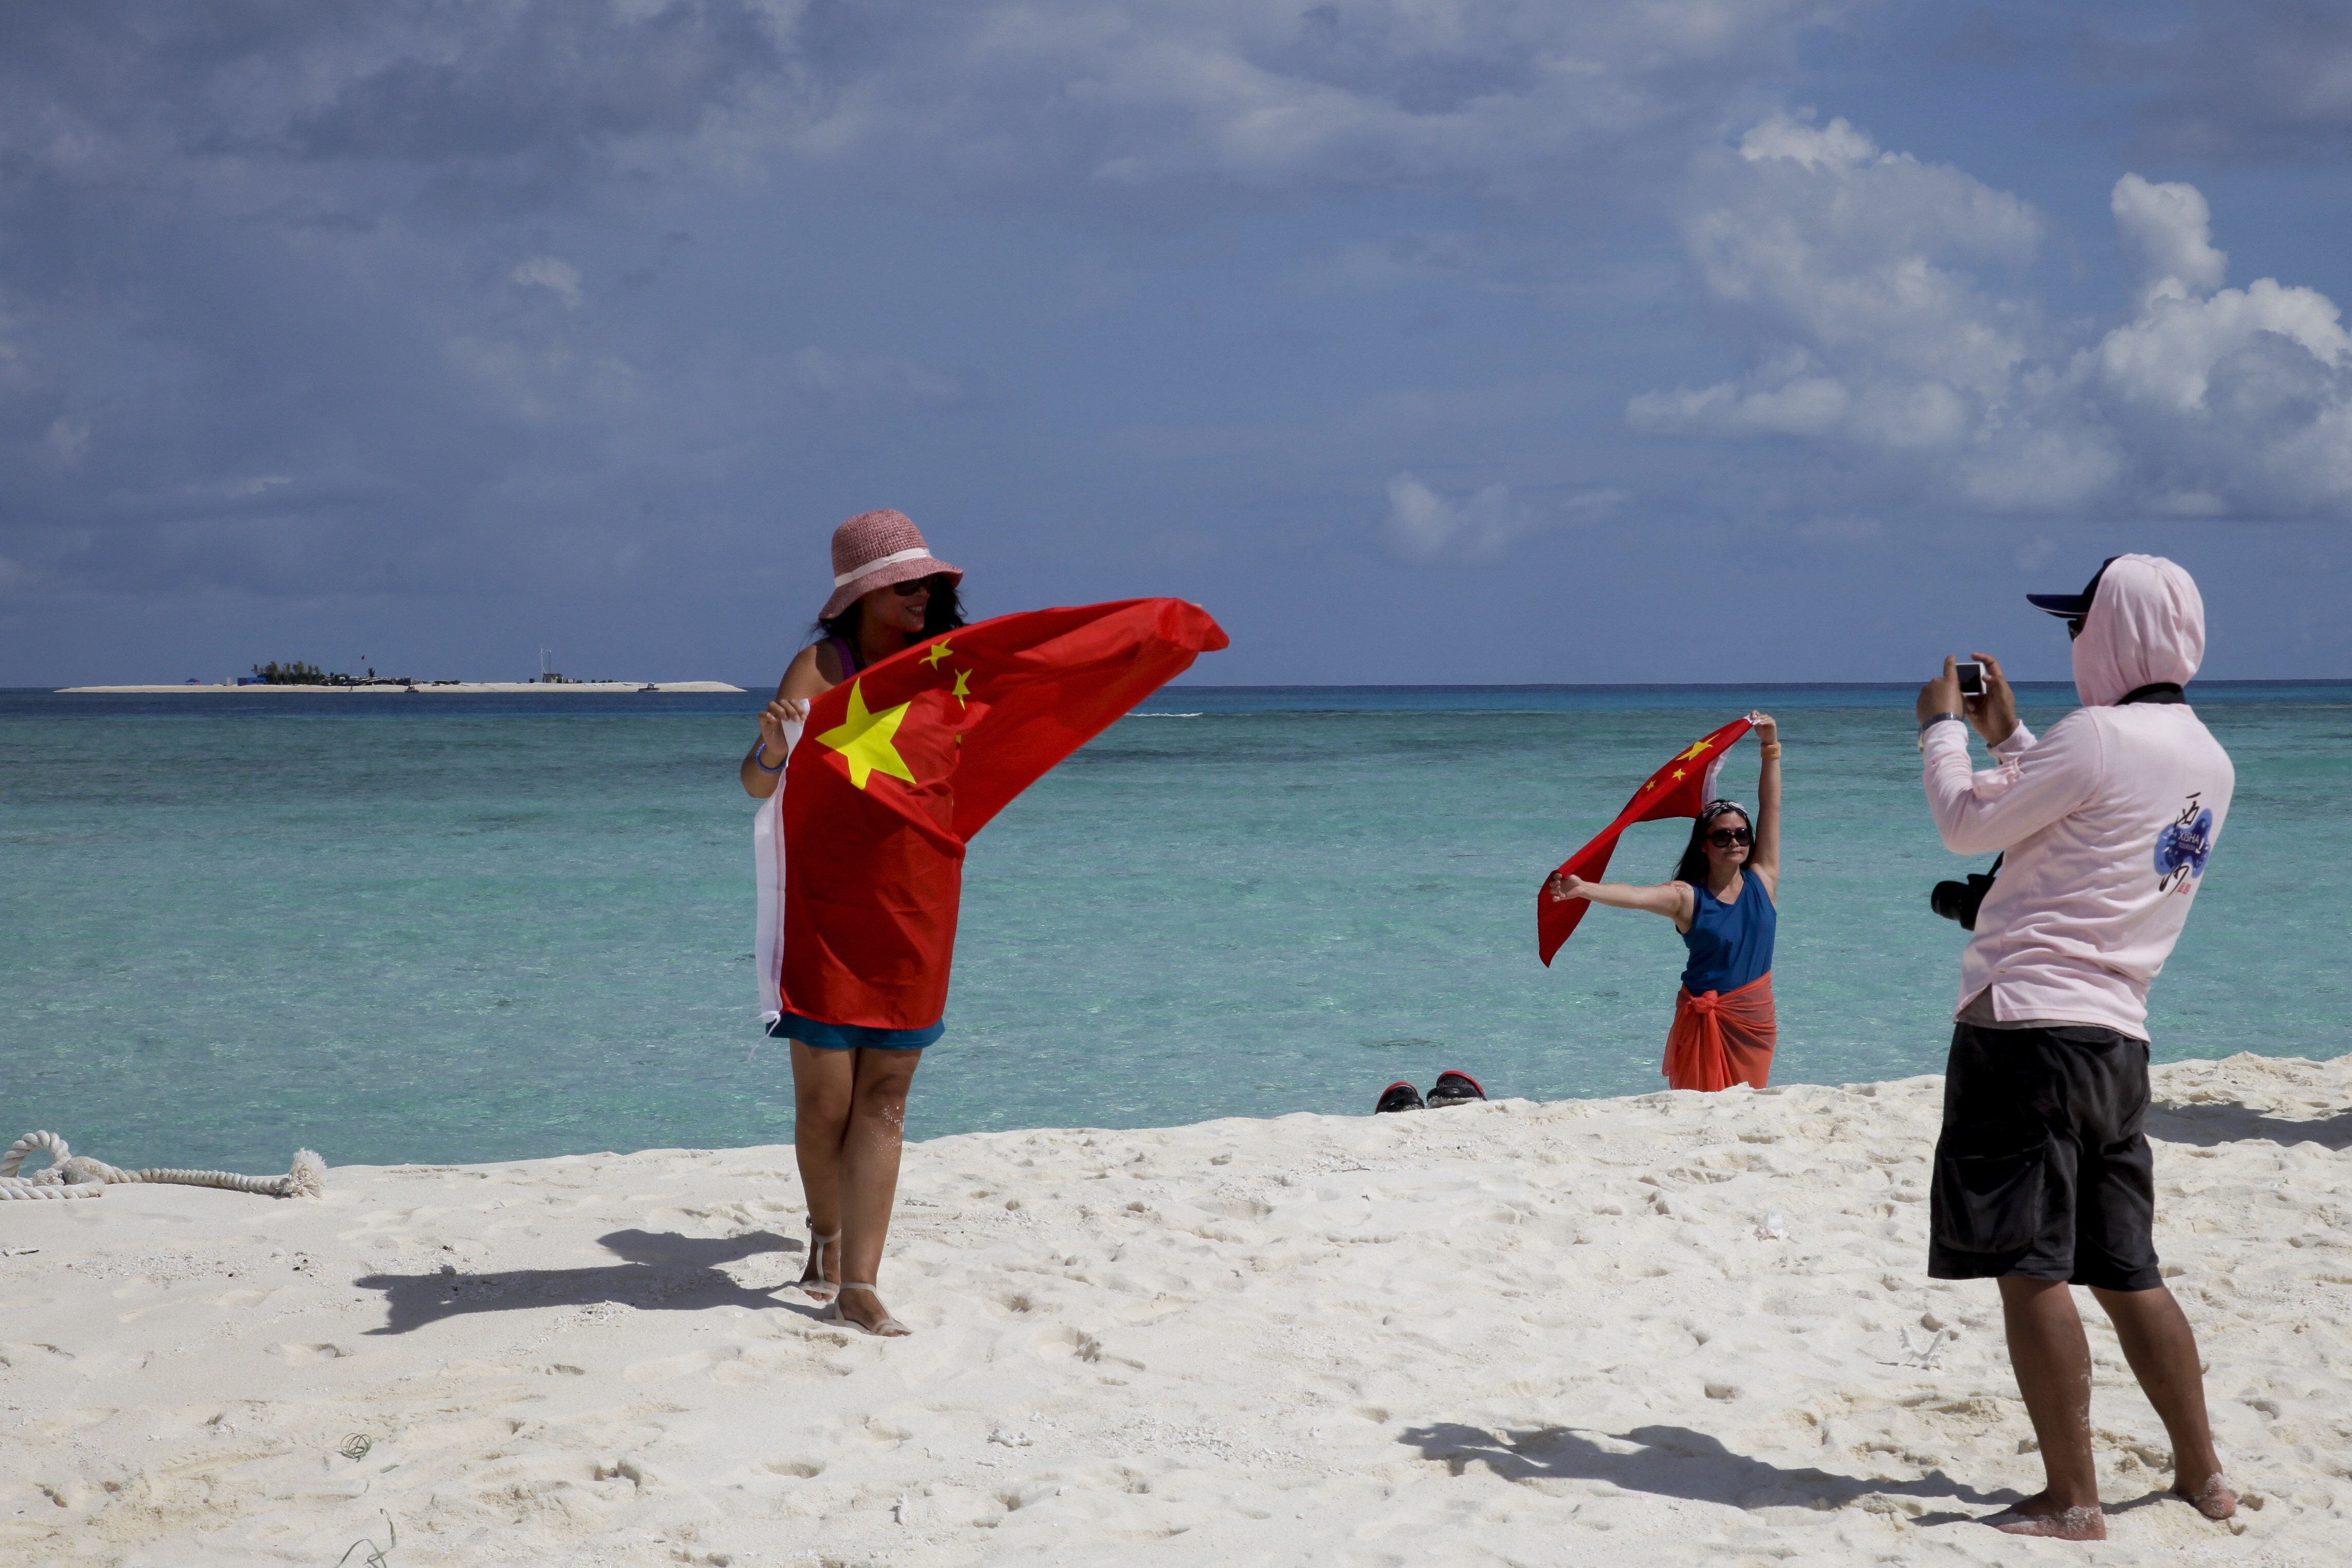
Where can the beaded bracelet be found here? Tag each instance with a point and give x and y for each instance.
(762, 751)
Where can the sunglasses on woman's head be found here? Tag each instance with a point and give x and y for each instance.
(1724, 838)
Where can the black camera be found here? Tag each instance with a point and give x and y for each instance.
(1959, 900)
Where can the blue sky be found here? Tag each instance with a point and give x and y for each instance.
(1791, 339)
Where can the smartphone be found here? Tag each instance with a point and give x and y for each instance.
(1972, 678)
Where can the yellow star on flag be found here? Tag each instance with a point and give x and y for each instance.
(939, 651)
(864, 739)
(1678, 773)
(963, 692)
(1696, 747)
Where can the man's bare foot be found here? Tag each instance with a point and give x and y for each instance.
(2038, 1516)
(2214, 1499)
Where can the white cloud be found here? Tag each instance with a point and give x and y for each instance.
(1881, 303)
(246, 489)
(67, 441)
(2168, 232)
(1423, 525)
(877, 377)
(1138, 91)
(557, 276)
(1837, 143)
(1838, 530)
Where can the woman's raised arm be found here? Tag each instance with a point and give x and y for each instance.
(1764, 856)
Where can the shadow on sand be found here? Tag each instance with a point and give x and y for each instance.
(1675, 1461)
(2207, 1123)
(661, 1272)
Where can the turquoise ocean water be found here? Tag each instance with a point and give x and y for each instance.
(469, 928)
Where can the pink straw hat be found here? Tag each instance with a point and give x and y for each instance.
(874, 549)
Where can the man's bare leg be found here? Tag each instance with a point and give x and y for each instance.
(2053, 1362)
(2162, 1350)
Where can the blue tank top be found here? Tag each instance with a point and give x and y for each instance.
(1730, 943)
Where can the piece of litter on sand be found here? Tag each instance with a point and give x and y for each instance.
(1924, 1355)
(1772, 1227)
(16, 1251)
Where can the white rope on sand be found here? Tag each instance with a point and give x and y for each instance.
(78, 1176)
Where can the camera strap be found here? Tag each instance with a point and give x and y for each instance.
(2154, 692)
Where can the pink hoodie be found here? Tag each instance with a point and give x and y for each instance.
(2106, 820)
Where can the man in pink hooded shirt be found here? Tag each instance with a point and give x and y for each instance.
(2042, 1175)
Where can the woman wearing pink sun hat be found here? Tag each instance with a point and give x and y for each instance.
(850, 1081)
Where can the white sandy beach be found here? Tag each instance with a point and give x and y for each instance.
(1510, 1334)
(423, 688)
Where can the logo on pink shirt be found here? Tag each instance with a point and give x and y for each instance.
(2182, 847)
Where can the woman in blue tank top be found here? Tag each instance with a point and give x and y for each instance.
(1722, 900)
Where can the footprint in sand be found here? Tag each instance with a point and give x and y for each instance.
(679, 1365)
(308, 1354)
(237, 1298)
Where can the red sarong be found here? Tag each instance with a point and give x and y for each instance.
(1722, 1038)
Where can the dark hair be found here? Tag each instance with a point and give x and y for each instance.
(943, 614)
(1691, 867)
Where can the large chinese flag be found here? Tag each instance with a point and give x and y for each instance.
(894, 769)
(1680, 789)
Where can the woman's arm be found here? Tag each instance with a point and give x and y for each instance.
(1671, 899)
(1764, 856)
(813, 672)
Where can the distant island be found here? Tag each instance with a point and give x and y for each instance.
(459, 688)
(296, 675)
(456, 688)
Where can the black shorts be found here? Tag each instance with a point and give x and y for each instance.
(2042, 1170)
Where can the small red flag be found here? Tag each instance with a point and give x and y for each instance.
(1680, 789)
(897, 768)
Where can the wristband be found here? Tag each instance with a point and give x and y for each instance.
(1771, 751)
(761, 750)
(1931, 723)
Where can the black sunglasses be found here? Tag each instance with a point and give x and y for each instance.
(1724, 838)
(931, 584)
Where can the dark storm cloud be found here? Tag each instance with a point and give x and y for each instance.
(396, 304)
(557, 81)
(2237, 80)
(294, 264)
(533, 96)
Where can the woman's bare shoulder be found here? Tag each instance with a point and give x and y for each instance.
(814, 670)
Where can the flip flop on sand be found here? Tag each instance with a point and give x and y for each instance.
(1453, 1088)
(888, 1328)
(1398, 1096)
(813, 1282)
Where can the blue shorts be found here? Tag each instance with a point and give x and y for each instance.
(853, 1035)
